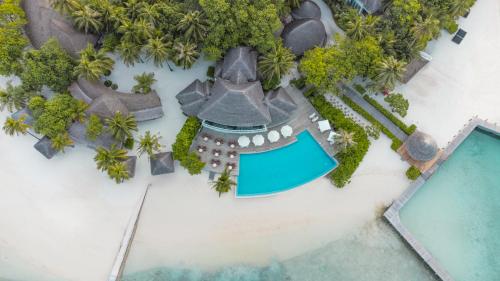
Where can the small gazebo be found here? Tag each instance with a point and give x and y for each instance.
(420, 150)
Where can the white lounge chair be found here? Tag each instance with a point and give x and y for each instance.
(315, 119)
(312, 115)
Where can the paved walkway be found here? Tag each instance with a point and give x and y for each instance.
(358, 99)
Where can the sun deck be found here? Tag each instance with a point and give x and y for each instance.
(299, 121)
(392, 214)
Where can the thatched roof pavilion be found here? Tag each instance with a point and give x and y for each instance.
(239, 65)
(421, 146)
(162, 163)
(44, 146)
(44, 23)
(307, 10)
(304, 34)
(280, 106)
(193, 97)
(238, 105)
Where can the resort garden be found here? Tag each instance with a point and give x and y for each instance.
(375, 50)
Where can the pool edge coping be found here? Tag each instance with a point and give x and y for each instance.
(392, 213)
(294, 187)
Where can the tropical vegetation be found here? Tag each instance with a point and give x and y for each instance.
(398, 103)
(121, 126)
(224, 183)
(94, 127)
(16, 127)
(149, 144)
(183, 141)
(93, 64)
(144, 83)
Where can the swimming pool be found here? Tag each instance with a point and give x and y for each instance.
(284, 168)
(455, 214)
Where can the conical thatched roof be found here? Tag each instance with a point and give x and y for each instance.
(307, 10)
(130, 164)
(162, 163)
(421, 147)
(240, 105)
(193, 97)
(44, 146)
(302, 35)
(281, 99)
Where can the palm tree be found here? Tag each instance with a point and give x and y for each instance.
(134, 7)
(390, 70)
(144, 83)
(224, 183)
(157, 50)
(150, 13)
(16, 127)
(14, 97)
(118, 172)
(460, 7)
(87, 19)
(355, 28)
(121, 126)
(129, 52)
(143, 29)
(193, 25)
(426, 29)
(293, 3)
(80, 109)
(276, 62)
(61, 141)
(107, 157)
(344, 139)
(149, 144)
(185, 54)
(93, 64)
(65, 6)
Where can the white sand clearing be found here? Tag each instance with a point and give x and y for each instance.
(62, 219)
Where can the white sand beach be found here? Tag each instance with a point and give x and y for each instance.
(62, 219)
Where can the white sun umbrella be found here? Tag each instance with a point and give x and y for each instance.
(324, 126)
(244, 141)
(286, 131)
(258, 140)
(273, 136)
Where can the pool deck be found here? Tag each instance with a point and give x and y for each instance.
(392, 214)
(299, 121)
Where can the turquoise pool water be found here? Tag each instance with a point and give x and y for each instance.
(283, 169)
(456, 214)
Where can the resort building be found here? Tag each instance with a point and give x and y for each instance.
(366, 6)
(306, 31)
(236, 102)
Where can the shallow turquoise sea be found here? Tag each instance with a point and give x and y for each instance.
(456, 214)
(374, 253)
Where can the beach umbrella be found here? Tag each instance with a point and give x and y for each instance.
(286, 131)
(273, 136)
(243, 141)
(324, 126)
(258, 140)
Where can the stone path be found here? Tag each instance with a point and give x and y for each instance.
(358, 99)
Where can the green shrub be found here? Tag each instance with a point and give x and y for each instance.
(359, 88)
(56, 115)
(94, 127)
(396, 143)
(211, 72)
(373, 131)
(451, 26)
(114, 87)
(413, 173)
(311, 92)
(349, 159)
(271, 84)
(408, 130)
(108, 83)
(110, 41)
(183, 141)
(299, 83)
(129, 143)
(398, 103)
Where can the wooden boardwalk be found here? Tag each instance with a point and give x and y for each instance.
(392, 214)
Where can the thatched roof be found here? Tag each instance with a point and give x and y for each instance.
(415, 66)
(106, 106)
(193, 97)
(143, 107)
(307, 10)
(302, 35)
(239, 65)
(130, 164)
(24, 112)
(44, 146)
(162, 163)
(78, 132)
(239, 105)
(280, 105)
(44, 22)
(421, 147)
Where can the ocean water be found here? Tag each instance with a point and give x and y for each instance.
(373, 253)
(456, 214)
(284, 168)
